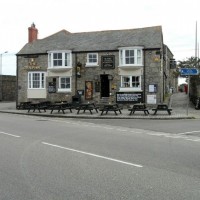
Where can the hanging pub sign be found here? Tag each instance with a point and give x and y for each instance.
(52, 87)
(129, 97)
(108, 62)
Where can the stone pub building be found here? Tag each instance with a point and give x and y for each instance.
(124, 66)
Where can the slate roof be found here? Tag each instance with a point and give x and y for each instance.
(149, 37)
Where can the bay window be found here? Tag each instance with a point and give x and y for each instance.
(131, 56)
(60, 59)
(36, 80)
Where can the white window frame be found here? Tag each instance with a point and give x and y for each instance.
(65, 89)
(63, 59)
(92, 64)
(129, 86)
(138, 56)
(42, 82)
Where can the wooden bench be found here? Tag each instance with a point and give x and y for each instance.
(61, 106)
(110, 107)
(86, 106)
(162, 107)
(37, 106)
(23, 105)
(138, 107)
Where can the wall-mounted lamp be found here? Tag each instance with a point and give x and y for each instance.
(110, 77)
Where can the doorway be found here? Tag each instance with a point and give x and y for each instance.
(105, 86)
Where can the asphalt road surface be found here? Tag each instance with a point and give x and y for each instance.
(54, 159)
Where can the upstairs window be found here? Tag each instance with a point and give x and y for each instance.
(36, 80)
(131, 56)
(92, 59)
(60, 59)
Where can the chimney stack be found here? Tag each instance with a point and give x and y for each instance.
(32, 33)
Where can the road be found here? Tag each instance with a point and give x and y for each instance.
(65, 159)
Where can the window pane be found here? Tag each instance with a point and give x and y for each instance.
(65, 82)
(125, 81)
(57, 59)
(129, 57)
(92, 58)
(135, 81)
(36, 80)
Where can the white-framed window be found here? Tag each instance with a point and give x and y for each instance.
(129, 83)
(131, 56)
(64, 84)
(36, 80)
(92, 59)
(60, 59)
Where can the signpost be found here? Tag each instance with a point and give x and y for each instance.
(189, 72)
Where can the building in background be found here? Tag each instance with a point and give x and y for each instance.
(124, 66)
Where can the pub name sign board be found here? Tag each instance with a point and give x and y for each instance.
(108, 62)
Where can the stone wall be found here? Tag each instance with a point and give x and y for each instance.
(8, 88)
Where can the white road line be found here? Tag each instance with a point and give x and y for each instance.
(94, 155)
(194, 140)
(188, 132)
(10, 134)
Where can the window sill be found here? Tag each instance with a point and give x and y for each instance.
(58, 69)
(131, 66)
(130, 90)
(91, 65)
(64, 90)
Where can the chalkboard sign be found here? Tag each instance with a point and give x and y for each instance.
(108, 62)
(52, 87)
(129, 97)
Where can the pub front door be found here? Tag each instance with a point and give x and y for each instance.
(105, 86)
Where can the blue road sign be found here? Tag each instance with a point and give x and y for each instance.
(189, 71)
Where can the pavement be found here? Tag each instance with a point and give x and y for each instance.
(181, 109)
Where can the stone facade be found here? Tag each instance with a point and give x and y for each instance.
(154, 71)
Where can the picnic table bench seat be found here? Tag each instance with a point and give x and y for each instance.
(110, 107)
(38, 106)
(162, 107)
(87, 106)
(61, 106)
(23, 105)
(138, 107)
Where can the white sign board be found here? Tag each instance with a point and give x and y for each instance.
(151, 99)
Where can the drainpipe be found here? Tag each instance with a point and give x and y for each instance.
(75, 73)
(144, 79)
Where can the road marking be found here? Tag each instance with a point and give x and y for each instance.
(94, 155)
(9, 134)
(188, 132)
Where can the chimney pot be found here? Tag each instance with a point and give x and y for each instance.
(32, 33)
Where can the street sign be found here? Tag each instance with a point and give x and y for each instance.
(189, 71)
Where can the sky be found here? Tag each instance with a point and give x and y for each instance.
(177, 18)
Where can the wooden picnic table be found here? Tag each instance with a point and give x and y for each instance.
(86, 106)
(162, 107)
(37, 106)
(110, 107)
(61, 106)
(139, 107)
